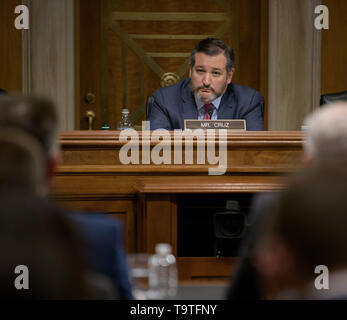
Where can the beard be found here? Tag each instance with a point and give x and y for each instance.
(213, 94)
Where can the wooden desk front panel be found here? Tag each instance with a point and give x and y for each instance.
(144, 196)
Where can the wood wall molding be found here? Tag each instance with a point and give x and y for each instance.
(208, 185)
(91, 166)
(294, 63)
(97, 154)
(68, 138)
(48, 55)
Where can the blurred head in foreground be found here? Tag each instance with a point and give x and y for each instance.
(298, 230)
(307, 229)
(37, 118)
(326, 135)
(34, 233)
(307, 225)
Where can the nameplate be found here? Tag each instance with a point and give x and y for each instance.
(235, 124)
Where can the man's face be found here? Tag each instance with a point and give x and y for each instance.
(208, 77)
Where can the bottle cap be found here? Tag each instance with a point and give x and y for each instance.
(163, 248)
(125, 111)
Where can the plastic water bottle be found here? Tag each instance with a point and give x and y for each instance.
(162, 272)
(124, 122)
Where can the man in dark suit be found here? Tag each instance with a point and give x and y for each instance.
(101, 235)
(208, 93)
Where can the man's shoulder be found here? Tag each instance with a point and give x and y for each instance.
(240, 90)
(95, 221)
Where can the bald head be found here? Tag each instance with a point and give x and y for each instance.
(326, 135)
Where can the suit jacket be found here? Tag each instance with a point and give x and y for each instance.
(104, 248)
(175, 103)
(244, 283)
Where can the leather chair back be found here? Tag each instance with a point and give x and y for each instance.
(333, 97)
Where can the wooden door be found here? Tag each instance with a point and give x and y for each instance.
(125, 50)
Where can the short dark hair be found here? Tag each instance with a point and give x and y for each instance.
(21, 160)
(3, 91)
(213, 47)
(35, 116)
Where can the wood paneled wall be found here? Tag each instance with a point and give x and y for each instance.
(51, 52)
(251, 44)
(334, 48)
(294, 63)
(10, 48)
(123, 49)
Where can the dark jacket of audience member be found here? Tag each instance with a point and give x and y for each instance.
(101, 235)
(33, 233)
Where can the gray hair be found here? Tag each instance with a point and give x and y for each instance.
(326, 133)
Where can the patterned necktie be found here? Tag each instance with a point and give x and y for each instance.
(208, 110)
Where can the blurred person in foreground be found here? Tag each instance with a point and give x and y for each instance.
(102, 236)
(326, 139)
(34, 234)
(304, 234)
